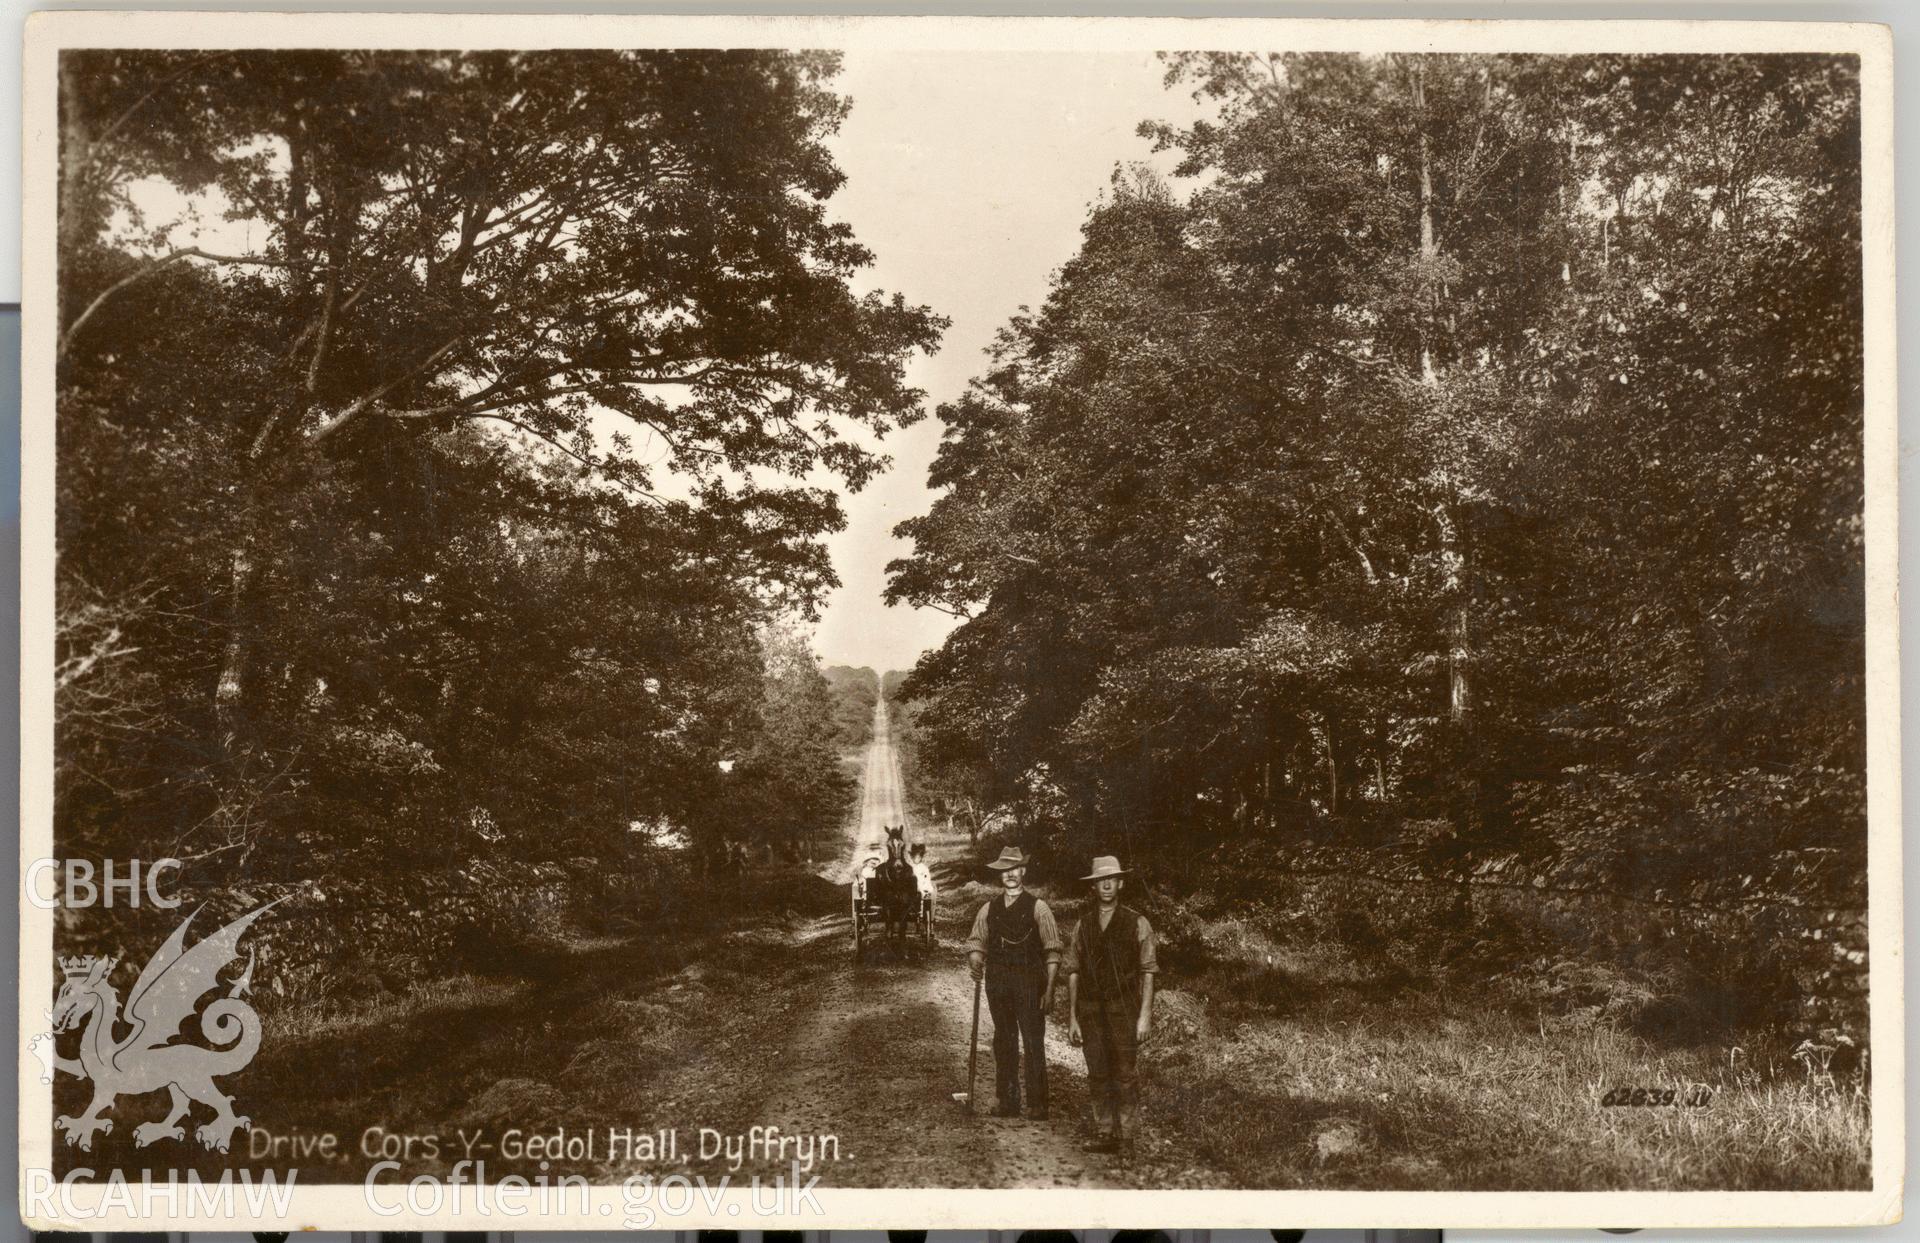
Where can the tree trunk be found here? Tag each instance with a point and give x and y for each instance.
(1459, 684)
(1333, 771)
(1429, 249)
(243, 568)
(229, 694)
(1459, 688)
(1569, 195)
(76, 155)
(230, 690)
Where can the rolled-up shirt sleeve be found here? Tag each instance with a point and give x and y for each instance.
(1049, 930)
(1149, 959)
(977, 939)
(1070, 960)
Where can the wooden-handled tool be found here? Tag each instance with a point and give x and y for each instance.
(973, 1052)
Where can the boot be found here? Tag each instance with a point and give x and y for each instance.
(1124, 1128)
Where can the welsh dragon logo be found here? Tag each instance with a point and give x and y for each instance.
(164, 997)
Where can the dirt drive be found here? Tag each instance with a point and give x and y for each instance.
(1289, 1066)
(877, 1059)
(760, 1018)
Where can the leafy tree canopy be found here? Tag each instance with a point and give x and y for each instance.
(448, 512)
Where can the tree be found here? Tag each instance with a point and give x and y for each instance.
(855, 692)
(521, 329)
(790, 785)
(1480, 439)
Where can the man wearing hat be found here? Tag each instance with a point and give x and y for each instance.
(1110, 967)
(1016, 943)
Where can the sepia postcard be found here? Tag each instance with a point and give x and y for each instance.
(666, 622)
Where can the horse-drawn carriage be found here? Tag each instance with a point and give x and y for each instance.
(892, 898)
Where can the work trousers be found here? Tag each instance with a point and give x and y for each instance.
(1107, 1034)
(1014, 999)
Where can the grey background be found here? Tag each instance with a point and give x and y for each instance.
(1903, 17)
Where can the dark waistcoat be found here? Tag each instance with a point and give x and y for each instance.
(1013, 934)
(1110, 959)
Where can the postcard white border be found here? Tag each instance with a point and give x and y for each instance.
(342, 1207)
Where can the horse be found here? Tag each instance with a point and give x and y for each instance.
(894, 889)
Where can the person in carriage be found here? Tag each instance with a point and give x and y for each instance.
(922, 871)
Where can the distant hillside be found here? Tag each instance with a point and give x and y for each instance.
(854, 694)
(890, 683)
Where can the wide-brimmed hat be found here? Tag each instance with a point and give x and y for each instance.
(1010, 857)
(1105, 866)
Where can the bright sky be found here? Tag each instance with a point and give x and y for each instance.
(969, 176)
